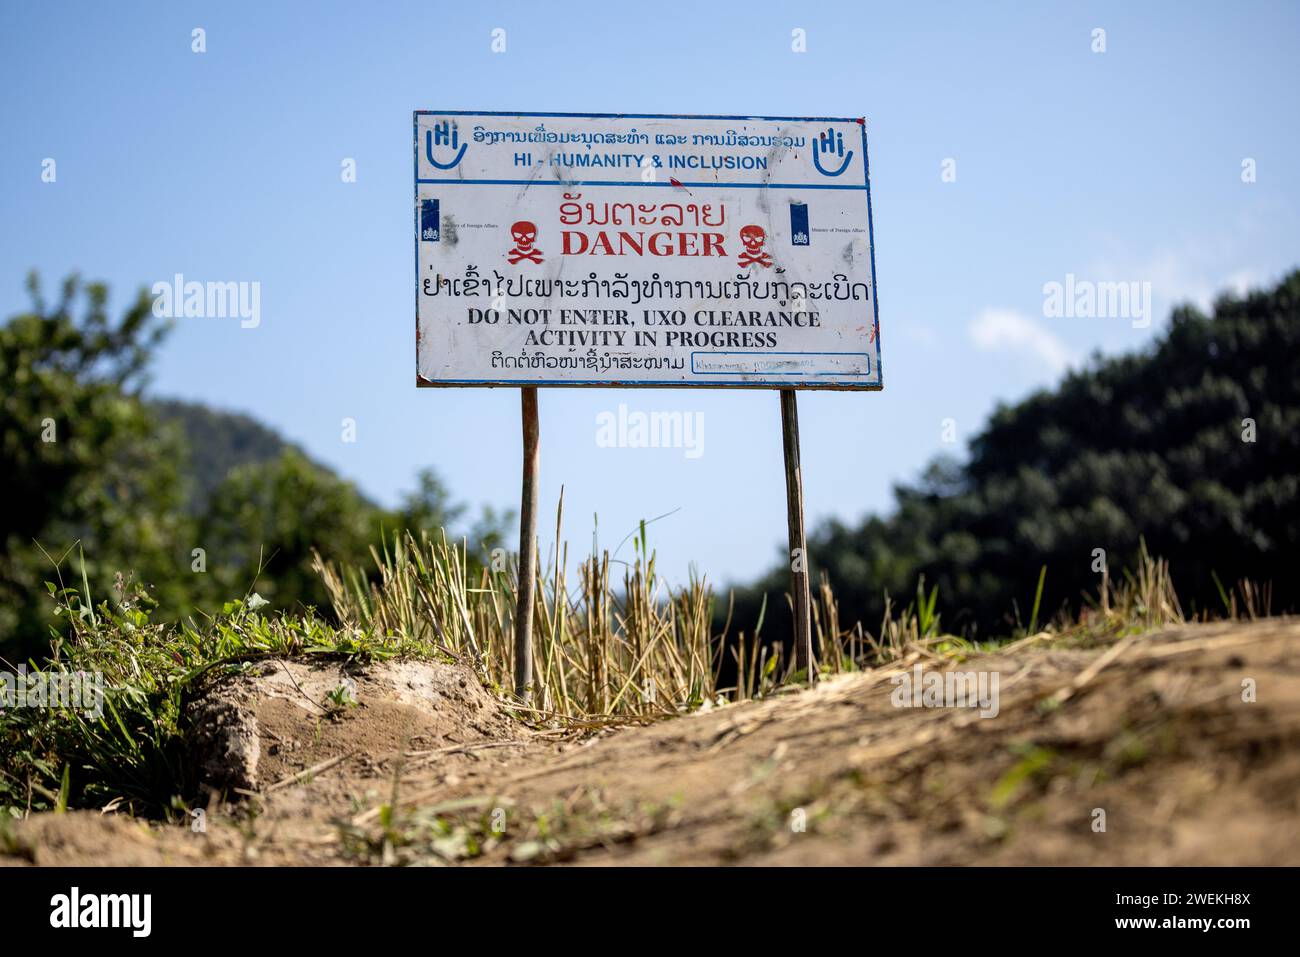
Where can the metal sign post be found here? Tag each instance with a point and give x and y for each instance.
(799, 591)
(612, 250)
(527, 549)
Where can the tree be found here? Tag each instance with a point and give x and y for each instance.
(263, 521)
(86, 466)
(431, 507)
(1192, 444)
(98, 478)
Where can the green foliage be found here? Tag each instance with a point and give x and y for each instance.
(217, 441)
(84, 460)
(271, 515)
(267, 522)
(134, 750)
(131, 487)
(1145, 445)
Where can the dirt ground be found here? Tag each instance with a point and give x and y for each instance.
(1176, 747)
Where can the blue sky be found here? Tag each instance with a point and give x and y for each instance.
(225, 165)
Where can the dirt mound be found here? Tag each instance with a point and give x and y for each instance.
(261, 729)
(1179, 747)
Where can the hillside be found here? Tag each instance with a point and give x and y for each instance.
(1144, 750)
(219, 441)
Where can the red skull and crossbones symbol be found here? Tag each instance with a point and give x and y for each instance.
(752, 238)
(524, 234)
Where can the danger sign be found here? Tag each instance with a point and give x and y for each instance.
(564, 249)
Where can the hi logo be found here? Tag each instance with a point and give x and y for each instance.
(444, 134)
(830, 144)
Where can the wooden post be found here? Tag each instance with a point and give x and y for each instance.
(527, 548)
(803, 656)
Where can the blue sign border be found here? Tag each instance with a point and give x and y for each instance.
(840, 383)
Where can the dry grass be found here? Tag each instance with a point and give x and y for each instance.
(621, 643)
(617, 642)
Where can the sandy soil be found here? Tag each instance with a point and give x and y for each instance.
(1145, 751)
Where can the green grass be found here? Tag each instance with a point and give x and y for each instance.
(133, 753)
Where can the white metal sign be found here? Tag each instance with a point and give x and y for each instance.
(563, 249)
